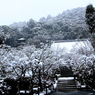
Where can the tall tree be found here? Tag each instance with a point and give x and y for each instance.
(31, 23)
(90, 21)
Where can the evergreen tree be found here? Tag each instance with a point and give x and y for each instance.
(90, 21)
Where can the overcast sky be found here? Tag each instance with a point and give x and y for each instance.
(23, 10)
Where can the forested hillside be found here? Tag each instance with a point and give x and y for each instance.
(68, 25)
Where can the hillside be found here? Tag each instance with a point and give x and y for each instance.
(68, 25)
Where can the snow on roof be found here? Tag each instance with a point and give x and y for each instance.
(68, 46)
(21, 39)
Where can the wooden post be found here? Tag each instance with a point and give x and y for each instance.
(46, 89)
(38, 90)
(18, 88)
(25, 91)
(40, 83)
(31, 87)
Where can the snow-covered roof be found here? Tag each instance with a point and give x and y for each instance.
(69, 45)
(21, 39)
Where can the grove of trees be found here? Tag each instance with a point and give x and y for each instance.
(30, 64)
(39, 66)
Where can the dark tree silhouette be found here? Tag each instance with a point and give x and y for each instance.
(90, 18)
(1, 41)
(90, 21)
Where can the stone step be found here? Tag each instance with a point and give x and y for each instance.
(58, 89)
(66, 80)
(66, 85)
(72, 83)
(66, 90)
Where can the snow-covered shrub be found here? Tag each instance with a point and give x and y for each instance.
(82, 62)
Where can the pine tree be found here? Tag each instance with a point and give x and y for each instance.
(90, 21)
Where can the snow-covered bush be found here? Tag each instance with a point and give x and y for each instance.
(82, 62)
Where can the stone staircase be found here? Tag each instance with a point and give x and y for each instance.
(66, 84)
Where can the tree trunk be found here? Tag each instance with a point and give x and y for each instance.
(93, 41)
(31, 87)
(40, 83)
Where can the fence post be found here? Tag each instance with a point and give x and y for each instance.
(38, 90)
(46, 89)
(18, 88)
(31, 87)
